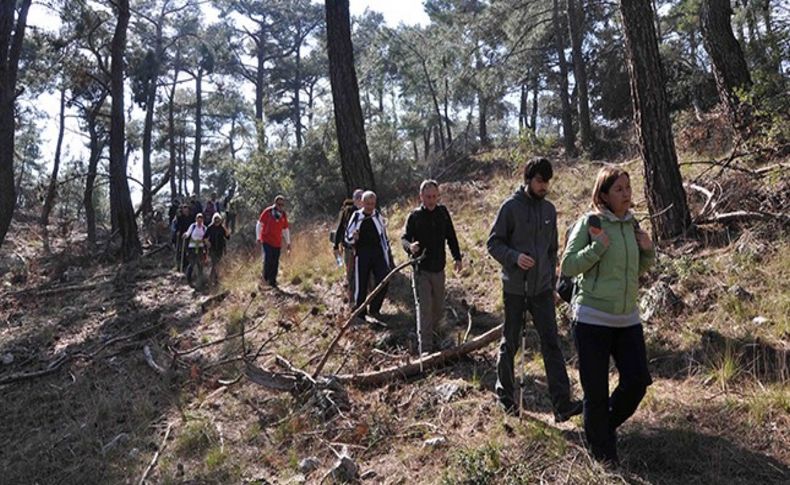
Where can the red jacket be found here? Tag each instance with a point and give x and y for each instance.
(271, 227)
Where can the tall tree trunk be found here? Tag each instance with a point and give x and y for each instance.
(10, 50)
(198, 132)
(729, 66)
(666, 199)
(146, 206)
(533, 117)
(447, 111)
(568, 134)
(171, 136)
(522, 110)
(120, 199)
(426, 142)
(49, 200)
(576, 29)
(260, 54)
(482, 110)
(355, 160)
(298, 87)
(90, 178)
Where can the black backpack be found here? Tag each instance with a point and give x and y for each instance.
(567, 285)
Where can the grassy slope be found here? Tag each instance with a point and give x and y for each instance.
(717, 412)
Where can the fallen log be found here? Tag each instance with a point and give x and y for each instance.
(434, 360)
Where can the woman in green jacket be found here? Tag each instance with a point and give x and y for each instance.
(608, 251)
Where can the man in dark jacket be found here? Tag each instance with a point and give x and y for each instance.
(348, 208)
(367, 233)
(524, 241)
(428, 229)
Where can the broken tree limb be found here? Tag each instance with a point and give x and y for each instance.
(63, 359)
(151, 465)
(149, 359)
(434, 360)
(359, 309)
(271, 380)
(708, 201)
(745, 216)
(212, 300)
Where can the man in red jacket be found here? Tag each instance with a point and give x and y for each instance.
(272, 230)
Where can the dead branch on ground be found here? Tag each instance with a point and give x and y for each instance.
(359, 310)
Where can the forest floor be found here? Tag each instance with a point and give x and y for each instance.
(108, 368)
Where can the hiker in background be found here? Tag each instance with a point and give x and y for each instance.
(180, 224)
(523, 240)
(428, 229)
(230, 212)
(212, 207)
(196, 246)
(272, 229)
(217, 234)
(347, 209)
(609, 251)
(172, 212)
(195, 205)
(368, 236)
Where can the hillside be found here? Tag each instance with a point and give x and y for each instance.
(135, 368)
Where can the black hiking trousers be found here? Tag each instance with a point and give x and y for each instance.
(369, 260)
(541, 307)
(604, 413)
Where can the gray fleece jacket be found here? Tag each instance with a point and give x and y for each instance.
(529, 226)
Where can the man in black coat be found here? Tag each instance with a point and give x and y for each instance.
(428, 229)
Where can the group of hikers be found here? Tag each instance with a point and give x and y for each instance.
(604, 255)
(194, 241)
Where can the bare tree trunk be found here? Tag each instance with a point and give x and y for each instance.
(729, 66)
(666, 199)
(576, 28)
(120, 199)
(198, 132)
(146, 206)
(297, 88)
(447, 111)
(355, 160)
(533, 117)
(482, 111)
(522, 110)
(49, 200)
(171, 136)
(96, 147)
(568, 133)
(10, 51)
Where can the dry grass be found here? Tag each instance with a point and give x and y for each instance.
(719, 410)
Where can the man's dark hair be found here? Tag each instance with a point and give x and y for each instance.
(538, 166)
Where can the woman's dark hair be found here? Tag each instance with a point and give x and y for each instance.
(538, 166)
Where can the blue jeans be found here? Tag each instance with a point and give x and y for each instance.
(602, 413)
(271, 263)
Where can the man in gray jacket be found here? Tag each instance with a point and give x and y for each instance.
(524, 241)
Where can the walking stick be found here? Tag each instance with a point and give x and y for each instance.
(523, 371)
(183, 250)
(417, 312)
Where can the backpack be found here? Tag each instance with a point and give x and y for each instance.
(567, 286)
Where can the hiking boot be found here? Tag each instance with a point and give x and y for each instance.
(574, 408)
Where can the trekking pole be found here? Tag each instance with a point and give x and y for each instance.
(417, 311)
(183, 251)
(523, 371)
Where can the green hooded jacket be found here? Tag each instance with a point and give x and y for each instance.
(609, 277)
